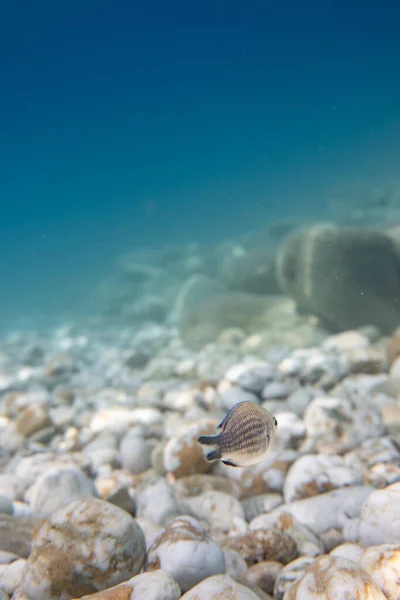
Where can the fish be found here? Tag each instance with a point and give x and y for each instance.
(244, 435)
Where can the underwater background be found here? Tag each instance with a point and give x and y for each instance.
(132, 126)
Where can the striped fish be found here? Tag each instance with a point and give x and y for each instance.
(244, 435)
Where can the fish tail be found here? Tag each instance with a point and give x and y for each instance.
(208, 440)
(213, 455)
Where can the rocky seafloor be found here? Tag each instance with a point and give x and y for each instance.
(106, 494)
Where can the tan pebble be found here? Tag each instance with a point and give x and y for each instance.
(336, 577)
(32, 419)
(382, 563)
(183, 455)
(261, 545)
(390, 413)
(263, 575)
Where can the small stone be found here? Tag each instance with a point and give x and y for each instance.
(335, 577)
(183, 455)
(229, 394)
(32, 419)
(223, 587)
(347, 340)
(135, 453)
(57, 566)
(267, 476)
(263, 575)
(380, 517)
(260, 545)
(330, 510)
(235, 564)
(119, 420)
(277, 390)
(11, 575)
(257, 505)
(57, 487)
(289, 574)
(217, 508)
(15, 535)
(157, 502)
(251, 376)
(310, 475)
(391, 417)
(146, 586)
(186, 552)
(122, 498)
(6, 506)
(382, 563)
(331, 538)
(350, 551)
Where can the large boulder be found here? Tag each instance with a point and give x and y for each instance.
(349, 277)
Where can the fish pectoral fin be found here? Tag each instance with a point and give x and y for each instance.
(213, 455)
(229, 463)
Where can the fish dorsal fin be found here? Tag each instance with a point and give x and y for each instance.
(222, 425)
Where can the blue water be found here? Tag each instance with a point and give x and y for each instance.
(130, 123)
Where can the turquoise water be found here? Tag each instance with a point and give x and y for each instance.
(129, 124)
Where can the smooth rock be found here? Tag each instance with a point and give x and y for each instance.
(223, 587)
(262, 544)
(217, 508)
(251, 376)
(310, 475)
(57, 568)
(183, 455)
(263, 575)
(320, 513)
(15, 535)
(289, 574)
(380, 517)
(57, 487)
(157, 502)
(135, 453)
(334, 577)
(186, 552)
(6, 505)
(146, 586)
(382, 563)
(11, 575)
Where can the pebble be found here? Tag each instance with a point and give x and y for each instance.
(335, 577)
(382, 563)
(157, 585)
(221, 586)
(263, 575)
(57, 566)
(251, 376)
(261, 544)
(311, 474)
(11, 575)
(330, 510)
(58, 486)
(135, 453)
(217, 508)
(183, 455)
(380, 517)
(15, 535)
(157, 502)
(229, 394)
(186, 552)
(6, 505)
